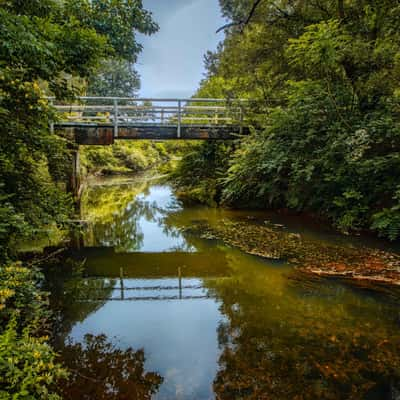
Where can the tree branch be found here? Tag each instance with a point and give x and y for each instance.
(242, 23)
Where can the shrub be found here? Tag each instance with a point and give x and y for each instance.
(27, 362)
(20, 297)
(27, 366)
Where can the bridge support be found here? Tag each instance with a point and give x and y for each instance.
(74, 176)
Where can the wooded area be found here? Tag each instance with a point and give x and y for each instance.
(325, 75)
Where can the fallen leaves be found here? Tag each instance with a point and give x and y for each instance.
(360, 265)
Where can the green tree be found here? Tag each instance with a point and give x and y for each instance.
(49, 47)
(114, 78)
(324, 78)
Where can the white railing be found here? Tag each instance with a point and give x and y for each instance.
(128, 111)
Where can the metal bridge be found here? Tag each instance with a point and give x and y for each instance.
(101, 120)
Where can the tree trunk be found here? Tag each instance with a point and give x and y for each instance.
(341, 9)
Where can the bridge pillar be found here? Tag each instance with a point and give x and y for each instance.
(74, 176)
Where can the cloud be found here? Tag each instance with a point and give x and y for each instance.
(172, 59)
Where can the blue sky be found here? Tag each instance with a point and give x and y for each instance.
(171, 64)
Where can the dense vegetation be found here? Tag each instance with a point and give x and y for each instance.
(325, 80)
(50, 48)
(130, 156)
(323, 77)
(47, 48)
(28, 367)
(122, 157)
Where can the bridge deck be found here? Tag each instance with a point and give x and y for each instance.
(91, 134)
(101, 120)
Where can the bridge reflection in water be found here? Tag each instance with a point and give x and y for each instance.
(163, 303)
(150, 276)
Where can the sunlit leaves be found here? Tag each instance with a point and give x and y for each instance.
(320, 50)
(28, 367)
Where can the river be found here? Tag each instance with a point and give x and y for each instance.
(150, 308)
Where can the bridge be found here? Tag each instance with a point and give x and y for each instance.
(101, 120)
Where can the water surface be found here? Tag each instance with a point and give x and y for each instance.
(154, 310)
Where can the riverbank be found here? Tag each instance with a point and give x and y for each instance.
(29, 366)
(365, 267)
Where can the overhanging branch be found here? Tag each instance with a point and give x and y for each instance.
(245, 22)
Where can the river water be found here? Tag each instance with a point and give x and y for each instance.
(148, 308)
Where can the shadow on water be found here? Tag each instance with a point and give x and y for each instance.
(152, 309)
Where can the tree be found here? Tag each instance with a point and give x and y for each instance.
(324, 77)
(114, 78)
(46, 47)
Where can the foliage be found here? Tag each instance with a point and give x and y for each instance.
(27, 362)
(51, 48)
(196, 176)
(387, 221)
(123, 157)
(114, 78)
(27, 366)
(325, 78)
(47, 47)
(19, 297)
(117, 20)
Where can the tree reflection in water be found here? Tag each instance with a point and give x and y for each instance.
(276, 342)
(113, 213)
(302, 349)
(99, 370)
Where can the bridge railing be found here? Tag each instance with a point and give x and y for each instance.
(127, 111)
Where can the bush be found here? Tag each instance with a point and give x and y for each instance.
(27, 366)
(20, 297)
(27, 362)
(123, 157)
(199, 173)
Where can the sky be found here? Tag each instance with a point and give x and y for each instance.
(171, 63)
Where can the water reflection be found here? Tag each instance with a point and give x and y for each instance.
(282, 342)
(212, 321)
(157, 302)
(100, 370)
(118, 217)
